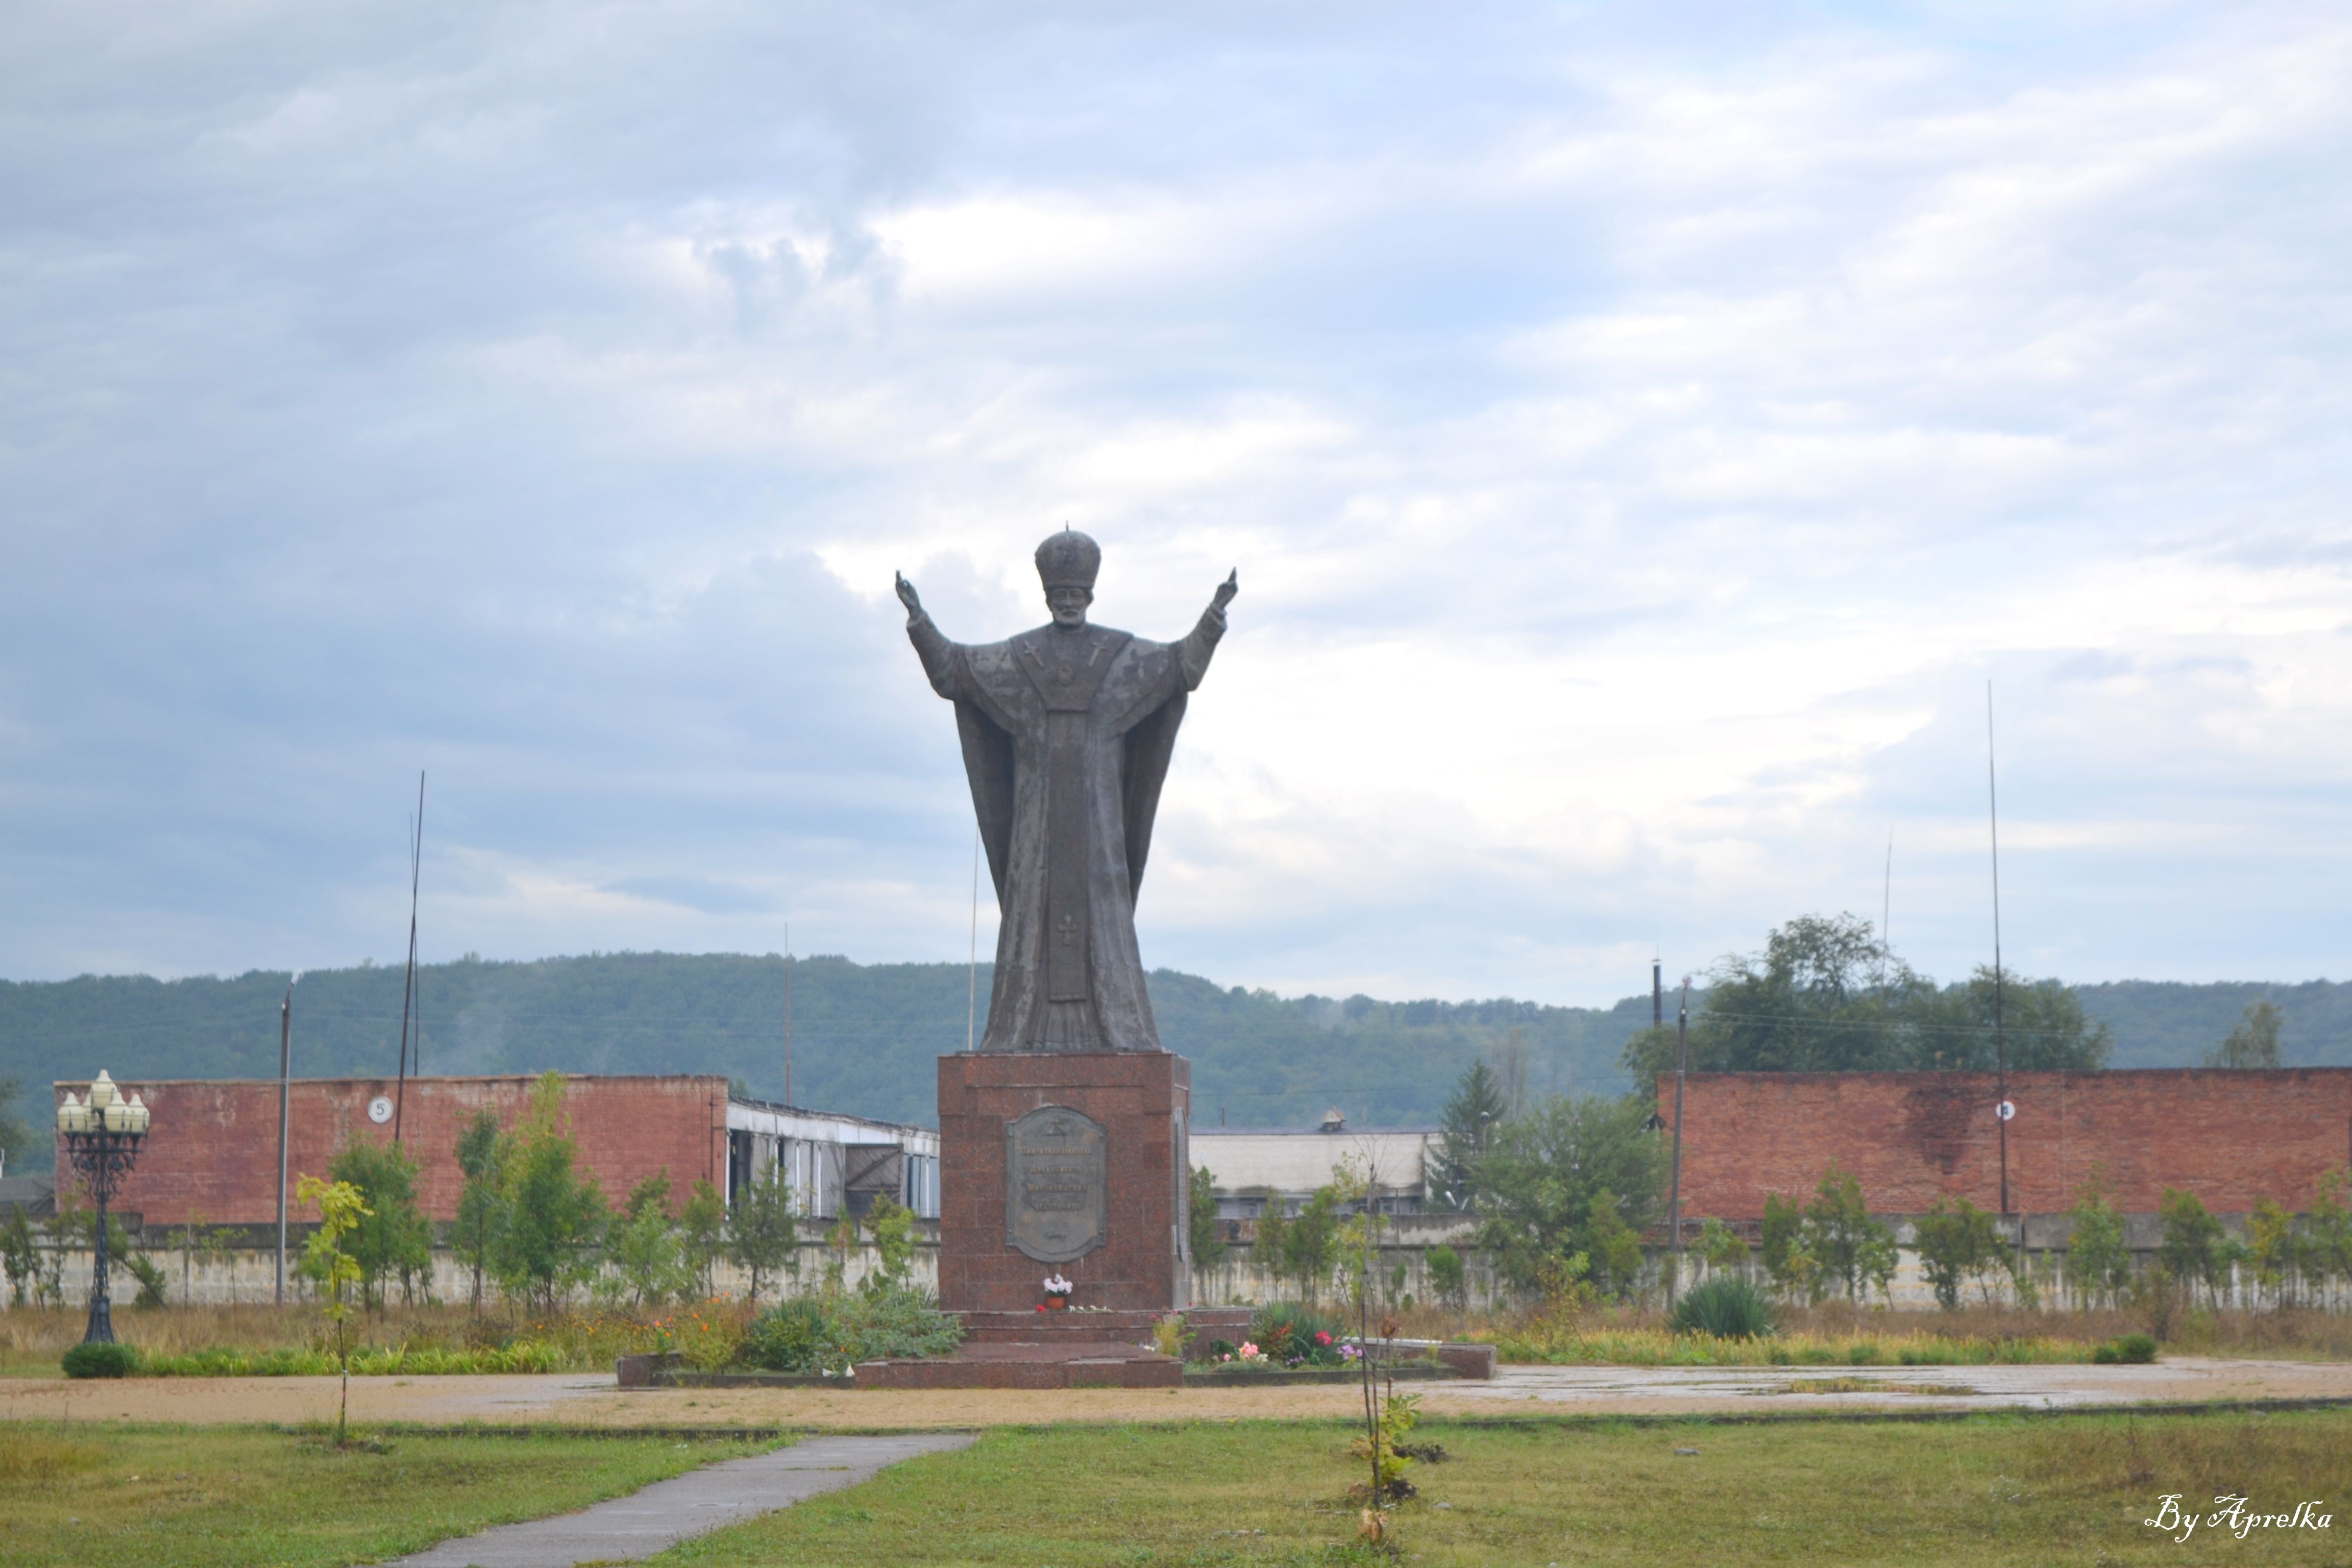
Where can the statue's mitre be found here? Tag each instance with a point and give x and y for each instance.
(1069, 560)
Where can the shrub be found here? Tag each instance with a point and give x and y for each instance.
(1168, 1335)
(792, 1336)
(101, 1359)
(902, 1321)
(833, 1334)
(2130, 1350)
(1726, 1306)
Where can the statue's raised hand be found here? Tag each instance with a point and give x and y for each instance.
(1227, 590)
(907, 596)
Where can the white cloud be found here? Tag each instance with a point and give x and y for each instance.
(1637, 452)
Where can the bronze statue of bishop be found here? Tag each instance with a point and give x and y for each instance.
(1067, 731)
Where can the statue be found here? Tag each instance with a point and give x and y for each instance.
(1067, 731)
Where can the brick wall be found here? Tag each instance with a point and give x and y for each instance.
(1912, 1138)
(213, 1148)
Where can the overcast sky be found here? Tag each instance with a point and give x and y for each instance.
(1642, 432)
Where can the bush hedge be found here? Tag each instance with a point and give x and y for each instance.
(830, 1334)
(96, 1359)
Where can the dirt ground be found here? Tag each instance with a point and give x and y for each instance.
(591, 1400)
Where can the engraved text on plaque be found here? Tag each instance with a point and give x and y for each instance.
(1056, 1195)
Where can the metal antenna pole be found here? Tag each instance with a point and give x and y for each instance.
(1675, 1202)
(1886, 910)
(1999, 1042)
(408, 989)
(285, 1119)
(788, 1012)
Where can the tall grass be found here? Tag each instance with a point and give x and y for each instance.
(1833, 1332)
(247, 1340)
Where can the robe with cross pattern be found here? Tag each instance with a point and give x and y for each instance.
(1067, 737)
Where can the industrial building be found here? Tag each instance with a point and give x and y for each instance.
(1909, 1139)
(212, 1156)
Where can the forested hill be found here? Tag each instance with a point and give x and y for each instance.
(864, 1035)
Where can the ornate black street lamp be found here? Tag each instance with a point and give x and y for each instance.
(101, 1138)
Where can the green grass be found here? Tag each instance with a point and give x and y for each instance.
(1991, 1489)
(163, 1497)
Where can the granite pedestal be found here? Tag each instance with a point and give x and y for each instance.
(1069, 1163)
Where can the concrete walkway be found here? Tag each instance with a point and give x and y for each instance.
(667, 1512)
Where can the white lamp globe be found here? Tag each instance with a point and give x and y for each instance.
(102, 1092)
(118, 1117)
(71, 1117)
(139, 1117)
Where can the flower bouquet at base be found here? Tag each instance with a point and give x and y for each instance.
(1057, 1294)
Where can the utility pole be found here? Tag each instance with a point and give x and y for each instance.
(285, 1118)
(788, 1012)
(1674, 1199)
(408, 988)
(2002, 1110)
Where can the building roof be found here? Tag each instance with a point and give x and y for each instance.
(1291, 1160)
(35, 1195)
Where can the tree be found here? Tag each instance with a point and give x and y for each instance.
(1208, 1246)
(2043, 1027)
(1827, 996)
(1445, 1275)
(1824, 995)
(391, 1236)
(644, 1248)
(843, 1240)
(1355, 1183)
(893, 1224)
(16, 1137)
(2270, 1246)
(761, 1235)
(2194, 1247)
(2253, 1043)
(20, 1258)
(1472, 1113)
(1538, 1180)
(1958, 1241)
(2326, 1252)
(554, 1218)
(2097, 1259)
(701, 1234)
(341, 1211)
(70, 1228)
(1784, 1228)
(1848, 1246)
(1613, 1247)
(1311, 1247)
(1722, 1247)
(1270, 1241)
(196, 1239)
(481, 1156)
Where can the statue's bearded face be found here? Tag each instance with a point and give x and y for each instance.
(1069, 604)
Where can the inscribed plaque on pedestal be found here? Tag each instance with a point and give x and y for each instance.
(1057, 1193)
